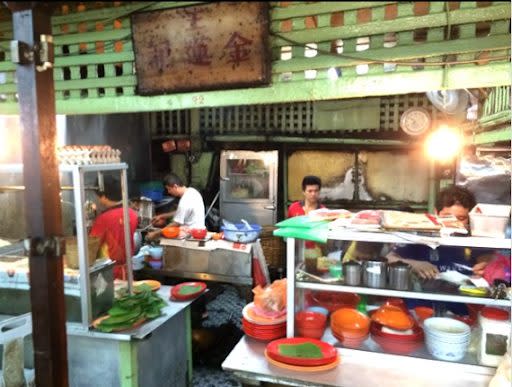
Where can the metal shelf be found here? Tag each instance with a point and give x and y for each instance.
(403, 237)
(404, 294)
(78, 176)
(93, 167)
(369, 348)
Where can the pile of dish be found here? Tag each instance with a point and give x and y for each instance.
(350, 327)
(262, 327)
(394, 329)
(187, 291)
(447, 338)
(302, 354)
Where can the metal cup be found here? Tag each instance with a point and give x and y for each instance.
(374, 273)
(352, 273)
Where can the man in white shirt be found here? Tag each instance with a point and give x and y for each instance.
(190, 211)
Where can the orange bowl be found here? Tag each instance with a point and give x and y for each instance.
(171, 232)
(423, 312)
(350, 323)
(393, 317)
(306, 319)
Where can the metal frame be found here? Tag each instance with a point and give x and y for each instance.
(78, 172)
(295, 253)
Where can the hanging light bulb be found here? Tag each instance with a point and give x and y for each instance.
(443, 144)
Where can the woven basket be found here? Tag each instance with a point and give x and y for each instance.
(71, 256)
(274, 247)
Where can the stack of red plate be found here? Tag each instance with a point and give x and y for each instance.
(260, 327)
(302, 354)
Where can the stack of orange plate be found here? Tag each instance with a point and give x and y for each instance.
(260, 327)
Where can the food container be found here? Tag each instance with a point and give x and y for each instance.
(399, 276)
(495, 335)
(352, 270)
(198, 233)
(374, 273)
(489, 220)
(239, 233)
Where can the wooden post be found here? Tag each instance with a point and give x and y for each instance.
(42, 200)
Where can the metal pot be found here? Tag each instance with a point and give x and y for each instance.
(399, 276)
(374, 272)
(352, 273)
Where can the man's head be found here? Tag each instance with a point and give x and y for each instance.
(173, 184)
(456, 201)
(311, 186)
(111, 190)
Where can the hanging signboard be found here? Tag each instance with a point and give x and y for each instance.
(213, 46)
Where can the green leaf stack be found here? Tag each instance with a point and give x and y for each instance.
(130, 309)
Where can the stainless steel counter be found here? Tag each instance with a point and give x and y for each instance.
(158, 353)
(208, 261)
(357, 368)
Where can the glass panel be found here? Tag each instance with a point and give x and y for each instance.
(248, 179)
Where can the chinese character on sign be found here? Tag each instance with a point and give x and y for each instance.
(193, 15)
(160, 56)
(196, 51)
(239, 49)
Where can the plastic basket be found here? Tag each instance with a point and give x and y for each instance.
(239, 234)
(153, 190)
(71, 256)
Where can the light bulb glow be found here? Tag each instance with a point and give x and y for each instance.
(443, 144)
(332, 74)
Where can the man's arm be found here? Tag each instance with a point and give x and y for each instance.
(422, 268)
(161, 219)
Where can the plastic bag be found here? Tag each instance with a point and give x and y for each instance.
(498, 268)
(271, 300)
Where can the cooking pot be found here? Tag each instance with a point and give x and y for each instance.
(374, 272)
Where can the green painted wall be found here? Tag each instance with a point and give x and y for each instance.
(388, 48)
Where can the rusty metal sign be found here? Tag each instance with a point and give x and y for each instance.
(207, 47)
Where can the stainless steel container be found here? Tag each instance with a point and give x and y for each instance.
(352, 273)
(400, 276)
(375, 273)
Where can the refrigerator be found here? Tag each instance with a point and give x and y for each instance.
(248, 186)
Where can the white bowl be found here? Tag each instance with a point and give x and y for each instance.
(448, 327)
(446, 351)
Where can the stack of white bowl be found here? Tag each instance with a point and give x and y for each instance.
(446, 338)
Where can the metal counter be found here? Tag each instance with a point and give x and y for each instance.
(208, 261)
(357, 368)
(158, 353)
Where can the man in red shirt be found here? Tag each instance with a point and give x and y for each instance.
(311, 186)
(109, 226)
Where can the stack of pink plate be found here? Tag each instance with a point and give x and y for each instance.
(262, 327)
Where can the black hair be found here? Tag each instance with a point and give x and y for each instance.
(311, 180)
(452, 195)
(171, 179)
(111, 188)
